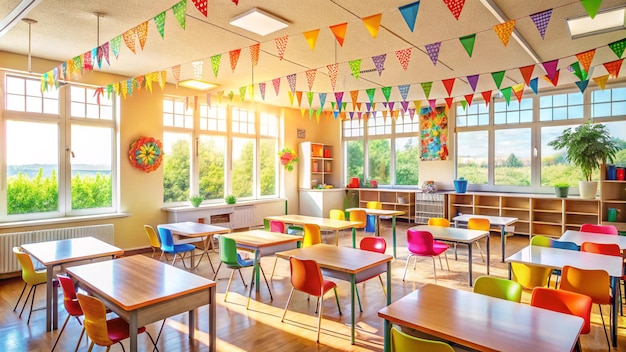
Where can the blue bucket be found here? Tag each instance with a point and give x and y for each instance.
(460, 186)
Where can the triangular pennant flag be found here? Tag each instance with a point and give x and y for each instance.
(486, 96)
(281, 45)
(142, 34)
(302, 111)
(358, 106)
(310, 77)
(116, 43)
(601, 81)
(591, 6)
(618, 47)
(242, 93)
(355, 67)
(541, 20)
(506, 93)
(386, 93)
(262, 90)
(333, 69)
(613, 67)
(518, 90)
(578, 71)
(197, 69)
(234, 58)
(372, 24)
(405, 105)
(180, 12)
(175, 73)
(339, 30)
(370, 94)
(468, 43)
(449, 101)
(554, 79)
(498, 77)
(299, 97)
(585, 58)
(87, 64)
(322, 97)
(404, 56)
(254, 53)
(276, 84)
(551, 68)
(504, 31)
(105, 52)
(379, 62)
(409, 13)
(426, 87)
(309, 97)
(463, 104)
(404, 90)
(99, 54)
(473, 81)
(311, 37)
(455, 6)
(201, 5)
(159, 22)
(338, 99)
(220, 96)
(433, 51)
(469, 98)
(582, 85)
(368, 106)
(354, 95)
(527, 72)
(291, 79)
(534, 85)
(448, 84)
(129, 39)
(290, 94)
(432, 103)
(412, 113)
(215, 63)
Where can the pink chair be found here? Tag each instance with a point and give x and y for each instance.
(421, 243)
(603, 229)
(277, 226)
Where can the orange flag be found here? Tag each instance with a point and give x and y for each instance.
(601, 81)
(372, 23)
(311, 37)
(504, 31)
(339, 30)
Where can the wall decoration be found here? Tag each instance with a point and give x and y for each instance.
(288, 158)
(146, 153)
(434, 133)
(301, 133)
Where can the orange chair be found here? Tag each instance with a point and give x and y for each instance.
(101, 331)
(312, 235)
(606, 249)
(593, 283)
(70, 301)
(358, 216)
(439, 222)
(31, 277)
(306, 277)
(372, 244)
(155, 242)
(482, 225)
(421, 243)
(603, 229)
(564, 302)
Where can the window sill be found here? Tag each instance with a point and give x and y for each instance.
(185, 208)
(64, 220)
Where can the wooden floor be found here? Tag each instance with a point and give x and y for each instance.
(260, 329)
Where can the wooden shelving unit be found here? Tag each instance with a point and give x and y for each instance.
(316, 165)
(613, 195)
(391, 199)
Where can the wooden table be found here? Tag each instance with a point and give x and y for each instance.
(481, 322)
(53, 253)
(501, 221)
(345, 263)
(323, 223)
(263, 243)
(558, 258)
(459, 235)
(192, 229)
(579, 237)
(142, 290)
(378, 213)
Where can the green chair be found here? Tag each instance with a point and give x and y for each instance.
(401, 342)
(498, 288)
(541, 241)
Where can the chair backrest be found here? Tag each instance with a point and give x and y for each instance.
(95, 322)
(479, 224)
(312, 235)
(373, 244)
(498, 288)
(277, 226)
(592, 283)
(359, 216)
(228, 251)
(541, 241)
(401, 342)
(374, 205)
(70, 301)
(439, 222)
(603, 229)
(530, 276)
(564, 245)
(420, 242)
(306, 276)
(337, 214)
(167, 241)
(601, 248)
(152, 236)
(564, 302)
(28, 269)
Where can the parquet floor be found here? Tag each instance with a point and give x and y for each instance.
(260, 329)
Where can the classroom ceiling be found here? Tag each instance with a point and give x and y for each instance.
(68, 28)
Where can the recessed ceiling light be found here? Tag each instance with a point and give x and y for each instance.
(197, 84)
(259, 22)
(605, 21)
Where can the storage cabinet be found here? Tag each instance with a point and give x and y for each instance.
(315, 166)
(429, 205)
(613, 194)
(391, 199)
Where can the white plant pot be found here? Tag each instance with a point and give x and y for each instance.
(588, 189)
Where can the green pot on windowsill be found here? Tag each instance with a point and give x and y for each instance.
(561, 190)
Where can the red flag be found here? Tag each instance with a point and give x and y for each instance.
(487, 96)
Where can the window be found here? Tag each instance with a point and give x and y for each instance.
(561, 107)
(407, 150)
(70, 171)
(472, 151)
(512, 157)
(473, 115)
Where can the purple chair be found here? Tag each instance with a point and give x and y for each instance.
(421, 243)
(603, 229)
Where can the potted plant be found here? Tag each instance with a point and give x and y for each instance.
(230, 199)
(196, 200)
(587, 146)
(561, 189)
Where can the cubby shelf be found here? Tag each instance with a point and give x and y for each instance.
(391, 199)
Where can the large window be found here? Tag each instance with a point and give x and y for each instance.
(59, 161)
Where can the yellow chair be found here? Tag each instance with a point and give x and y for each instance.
(31, 277)
(155, 242)
(530, 276)
(498, 288)
(541, 241)
(439, 222)
(401, 342)
(482, 225)
(374, 205)
(337, 214)
(312, 235)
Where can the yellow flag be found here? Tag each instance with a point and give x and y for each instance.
(372, 23)
(311, 37)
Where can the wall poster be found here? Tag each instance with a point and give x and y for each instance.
(434, 133)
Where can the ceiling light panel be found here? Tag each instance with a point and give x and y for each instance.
(603, 22)
(259, 22)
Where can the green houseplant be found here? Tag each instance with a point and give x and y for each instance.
(196, 200)
(561, 189)
(230, 199)
(587, 146)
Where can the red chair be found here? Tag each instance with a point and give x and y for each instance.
(421, 243)
(603, 229)
(306, 277)
(70, 301)
(564, 302)
(372, 244)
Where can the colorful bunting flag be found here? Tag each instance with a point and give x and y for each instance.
(404, 56)
(618, 47)
(355, 67)
(299, 97)
(498, 77)
(386, 93)
(404, 90)
(159, 22)
(468, 43)
(309, 97)
(449, 101)
(129, 39)
(504, 31)
(310, 77)
(311, 37)
(541, 20)
(455, 6)
(105, 52)
(591, 6)
(527, 72)
(201, 5)
(175, 73)
(554, 80)
(613, 67)
(405, 105)
(469, 98)
(276, 84)
(338, 99)
(291, 79)
(322, 97)
(180, 12)
(433, 51)
(372, 24)
(142, 34)
(448, 84)
(426, 87)
(116, 43)
(354, 95)
(254, 53)
(409, 13)
(370, 94)
(87, 65)
(551, 68)
(215, 63)
(290, 95)
(506, 93)
(582, 85)
(473, 81)
(534, 85)
(432, 103)
(281, 45)
(234, 58)
(518, 90)
(242, 93)
(486, 96)
(262, 90)
(333, 70)
(197, 68)
(339, 30)
(578, 71)
(601, 81)
(379, 62)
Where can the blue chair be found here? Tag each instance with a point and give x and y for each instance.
(168, 247)
(562, 245)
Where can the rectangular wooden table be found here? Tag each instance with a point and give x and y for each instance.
(345, 263)
(459, 235)
(53, 253)
(378, 213)
(481, 322)
(579, 237)
(323, 223)
(501, 221)
(142, 290)
(192, 229)
(558, 258)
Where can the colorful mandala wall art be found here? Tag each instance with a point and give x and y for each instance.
(146, 153)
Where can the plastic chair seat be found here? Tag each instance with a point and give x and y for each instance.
(118, 329)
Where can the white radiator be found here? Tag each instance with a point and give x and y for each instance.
(8, 262)
(243, 217)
